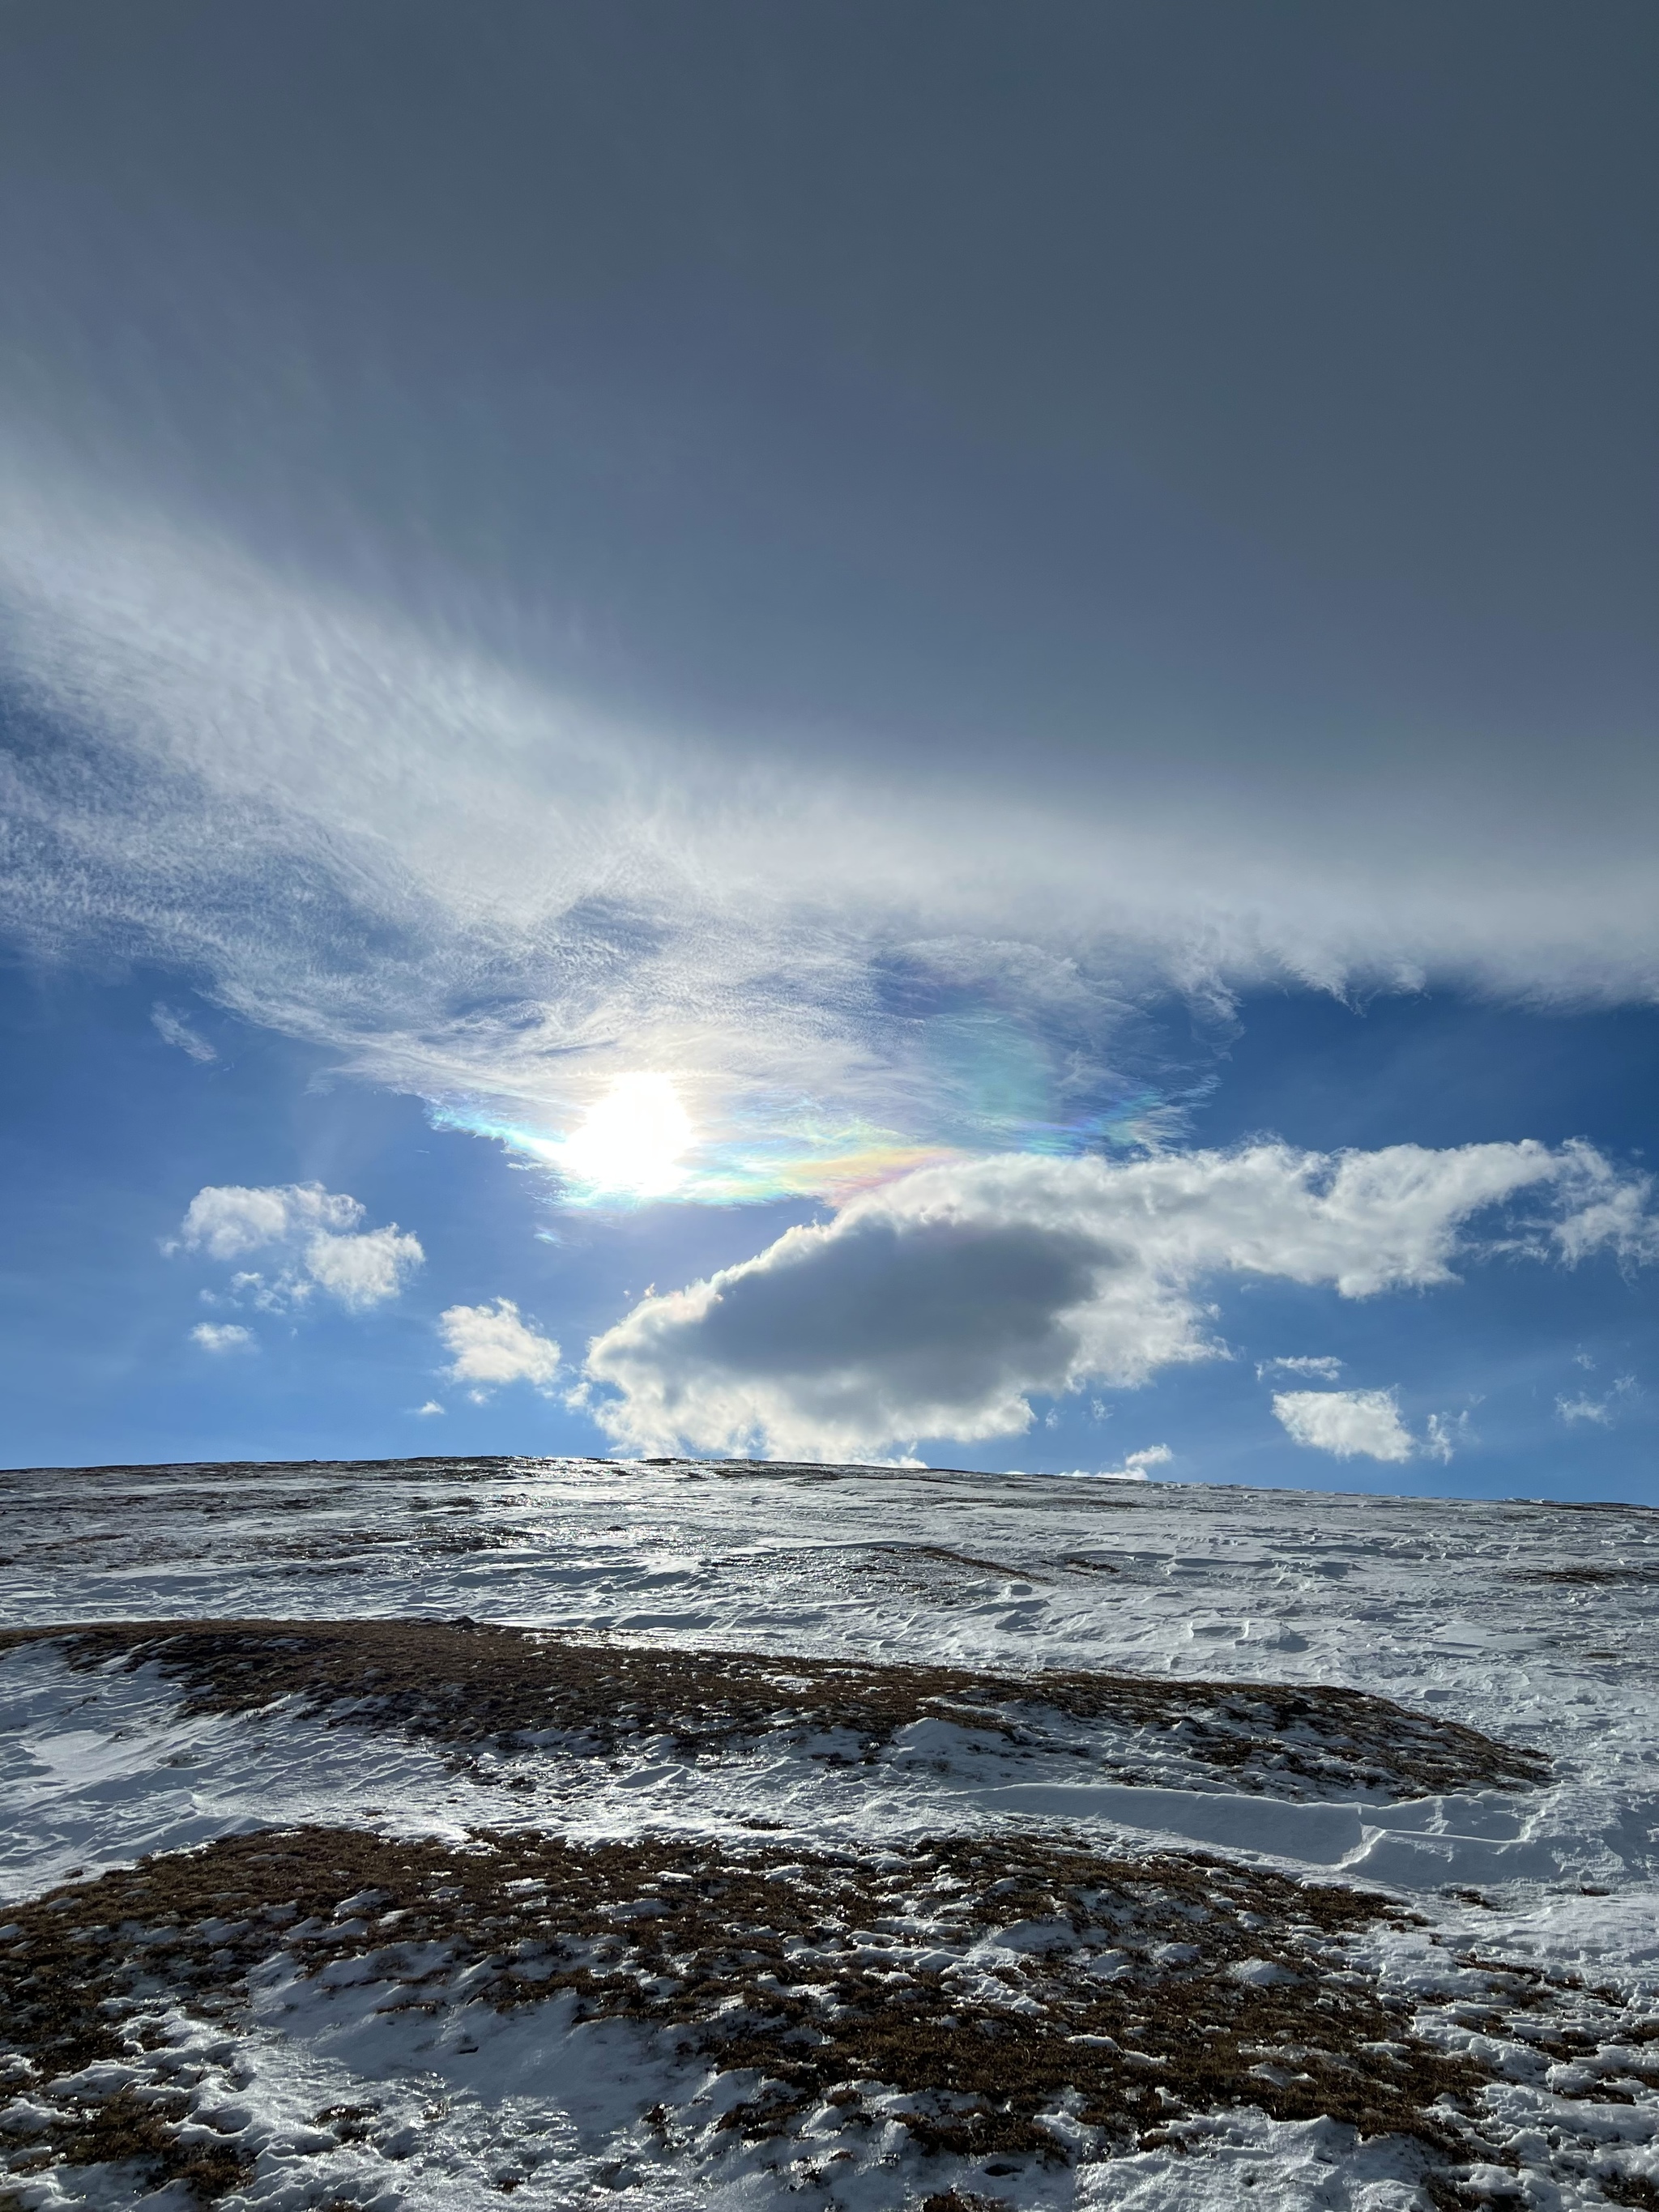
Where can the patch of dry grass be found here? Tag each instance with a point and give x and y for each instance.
(999, 1996)
(463, 1682)
(823, 1974)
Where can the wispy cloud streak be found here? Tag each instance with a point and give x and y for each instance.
(377, 837)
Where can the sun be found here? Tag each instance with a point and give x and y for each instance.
(633, 1142)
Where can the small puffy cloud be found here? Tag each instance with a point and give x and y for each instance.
(173, 1028)
(938, 1304)
(491, 1343)
(1351, 1423)
(1136, 1467)
(425, 1413)
(313, 1237)
(221, 1336)
(1325, 1369)
(225, 1220)
(1139, 1465)
(363, 1271)
(1609, 1211)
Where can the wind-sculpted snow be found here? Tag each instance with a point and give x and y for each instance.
(411, 1835)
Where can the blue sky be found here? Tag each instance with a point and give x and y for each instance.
(111, 1130)
(868, 734)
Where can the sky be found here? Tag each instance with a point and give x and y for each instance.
(832, 733)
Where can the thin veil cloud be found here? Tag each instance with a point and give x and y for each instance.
(651, 559)
(471, 887)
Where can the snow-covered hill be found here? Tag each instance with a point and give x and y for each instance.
(727, 1836)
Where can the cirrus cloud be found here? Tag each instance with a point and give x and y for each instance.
(248, 772)
(173, 1029)
(1601, 1413)
(938, 1304)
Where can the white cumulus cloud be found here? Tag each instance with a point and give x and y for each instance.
(1351, 1423)
(1137, 1465)
(492, 1343)
(1324, 1370)
(363, 1270)
(225, 1220)
(315, 1239)
(221, 1336)
(936, 1305)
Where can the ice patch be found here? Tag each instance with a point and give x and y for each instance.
(1317, 1835)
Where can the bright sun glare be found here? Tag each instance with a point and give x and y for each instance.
(633, 1142)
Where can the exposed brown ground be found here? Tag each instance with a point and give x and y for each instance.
(824, 1974)
(1026, 1999)
(1588, 1575)
(462, 1683)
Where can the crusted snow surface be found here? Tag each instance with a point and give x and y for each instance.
(1531, 1623)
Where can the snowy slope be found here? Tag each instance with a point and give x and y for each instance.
(1530, 1946)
